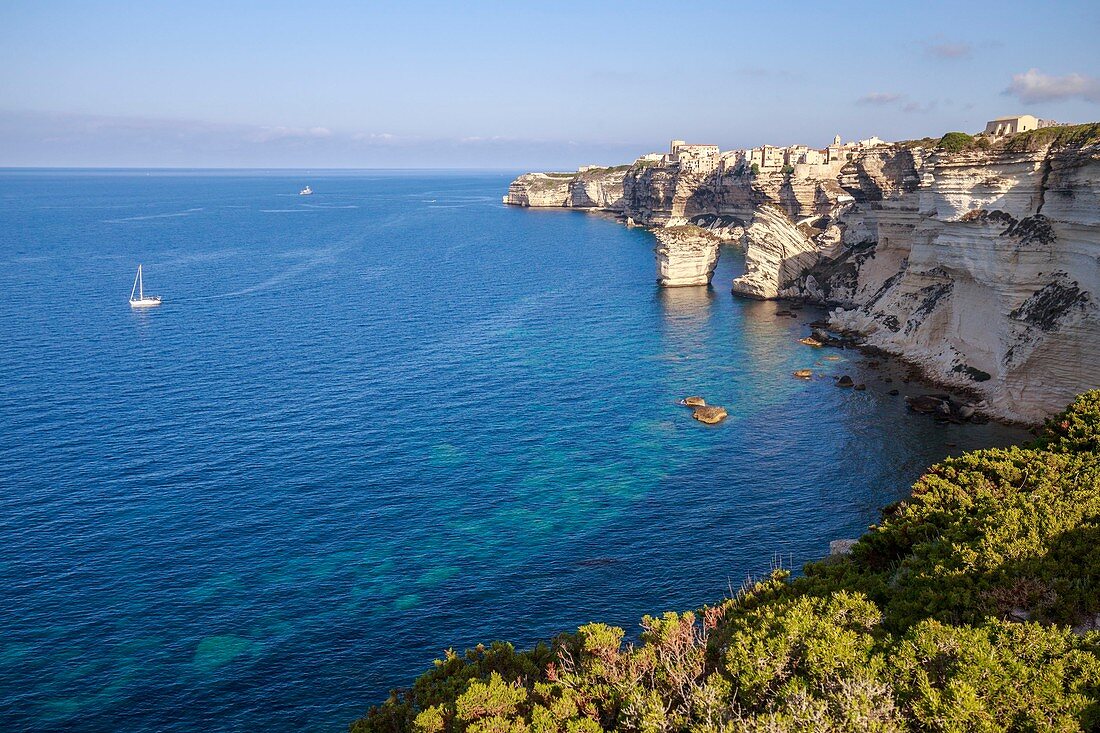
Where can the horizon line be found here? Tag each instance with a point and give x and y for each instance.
(232, 168)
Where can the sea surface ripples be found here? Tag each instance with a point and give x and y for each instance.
(406, 419)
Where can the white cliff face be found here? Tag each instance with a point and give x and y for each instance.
(775, 253)
(599, 189)
(686, 255)
(999, 290)
(982, 266)
(540, 189)
(595, 189)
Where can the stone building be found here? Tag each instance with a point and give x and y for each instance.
(802, 155)
(767, 156)
(1016, 123)
(693, 158)
(1011, 125)
(839, 151)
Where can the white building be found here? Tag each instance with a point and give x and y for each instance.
(693, 158)
(1011, 125)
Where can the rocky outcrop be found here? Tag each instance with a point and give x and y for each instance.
(711, 415)
(776, 252)
(686, 255)
(982, 266)
(600, 188)
(540, 189)
(996, 282)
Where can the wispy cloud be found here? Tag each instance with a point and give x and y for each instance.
(41, 138)
(880, 99)
(919, 107)
(268, 134)
(948, 50)
(896, 100)
(1034, 86)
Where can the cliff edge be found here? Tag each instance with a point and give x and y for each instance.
(979, 260)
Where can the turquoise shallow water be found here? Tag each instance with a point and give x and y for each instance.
(374, 423)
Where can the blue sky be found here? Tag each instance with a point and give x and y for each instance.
(517, 84)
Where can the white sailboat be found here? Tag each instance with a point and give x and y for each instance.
(142, 300)
(307, 191)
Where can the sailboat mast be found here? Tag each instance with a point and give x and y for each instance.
(134, 289)
(141, 285)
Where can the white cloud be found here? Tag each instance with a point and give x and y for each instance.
(1034, 86)
(880, 98)
(948, 50)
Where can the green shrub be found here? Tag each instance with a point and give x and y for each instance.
(1077, 429)
(908, 632)
(953, 142)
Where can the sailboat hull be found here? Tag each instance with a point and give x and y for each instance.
(144, 302)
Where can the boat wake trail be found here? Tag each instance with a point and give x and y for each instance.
(126, 219)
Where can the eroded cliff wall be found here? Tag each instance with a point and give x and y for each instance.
(982, 265)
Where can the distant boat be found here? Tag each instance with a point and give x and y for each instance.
(142, 300)
(307, 191)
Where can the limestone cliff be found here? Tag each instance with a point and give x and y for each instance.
(686, 255)
(980, 264)
(994, 284)
(600, 188)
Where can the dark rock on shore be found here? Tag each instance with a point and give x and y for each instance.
(942, 407)
(845, 381)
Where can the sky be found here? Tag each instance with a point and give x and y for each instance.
(517, 85)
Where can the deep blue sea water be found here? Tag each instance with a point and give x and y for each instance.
(375, 423)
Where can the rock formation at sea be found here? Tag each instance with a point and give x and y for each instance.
(980, 265)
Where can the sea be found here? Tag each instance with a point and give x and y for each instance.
(375, 423)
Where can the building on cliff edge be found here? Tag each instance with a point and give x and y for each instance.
(1016, 123)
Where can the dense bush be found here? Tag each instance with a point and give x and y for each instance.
(953, 142)
(952, 614)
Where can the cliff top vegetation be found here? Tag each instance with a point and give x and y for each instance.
(1062, 136)
(608, 169)
(951, 614)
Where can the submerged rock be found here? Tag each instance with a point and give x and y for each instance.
(810, 341)
(804, 373)
(845, 381)
(694, 401)
(860, 387)
(709, 414)
(893, 393)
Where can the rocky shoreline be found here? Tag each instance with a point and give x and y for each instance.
(980, 266)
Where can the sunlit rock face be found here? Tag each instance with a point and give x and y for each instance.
(982, 266)
(596, 189)
(998, 290)
(686, 255)
(540, 189)
(776, 251)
